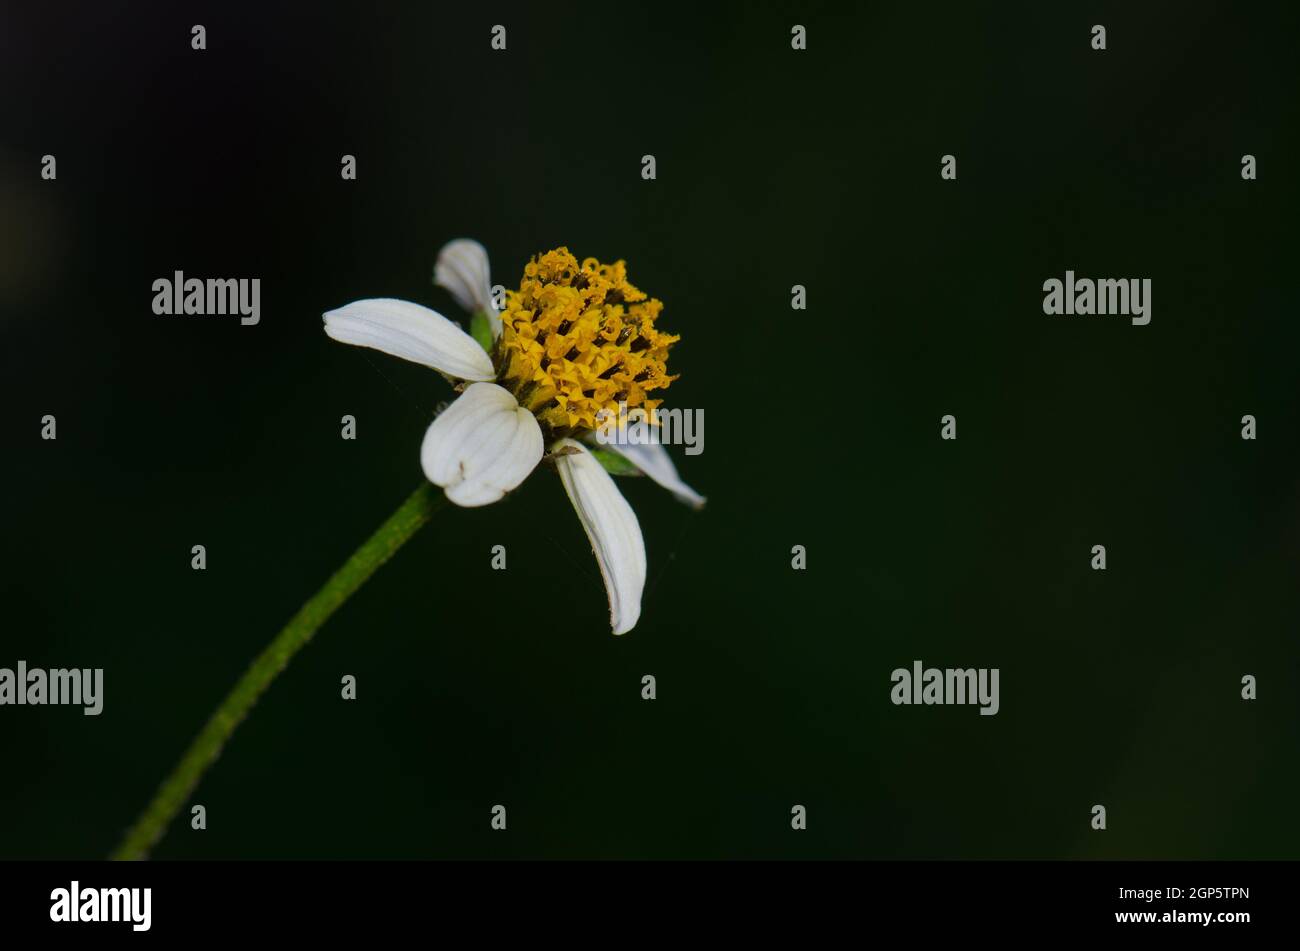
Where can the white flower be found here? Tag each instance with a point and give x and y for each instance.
(486, 443)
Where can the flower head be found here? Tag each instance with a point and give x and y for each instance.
(575, 342)
(578, 339)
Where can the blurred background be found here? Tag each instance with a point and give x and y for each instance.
(775, 168)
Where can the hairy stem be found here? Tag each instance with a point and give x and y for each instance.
(207, 746)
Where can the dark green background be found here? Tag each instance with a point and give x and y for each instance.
(822, 429)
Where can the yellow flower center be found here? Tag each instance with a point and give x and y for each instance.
(577, 340)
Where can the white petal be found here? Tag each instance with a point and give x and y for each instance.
(462, 268)
(481, 446)
(411, 332)
(612, 529)
(654, 461)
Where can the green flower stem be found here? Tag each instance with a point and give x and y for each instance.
(176, 788)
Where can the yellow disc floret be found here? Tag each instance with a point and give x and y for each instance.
(578, 339)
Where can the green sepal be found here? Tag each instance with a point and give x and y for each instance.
(614, 463)
(481, 331)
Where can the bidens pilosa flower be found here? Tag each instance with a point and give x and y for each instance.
(575, 341)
